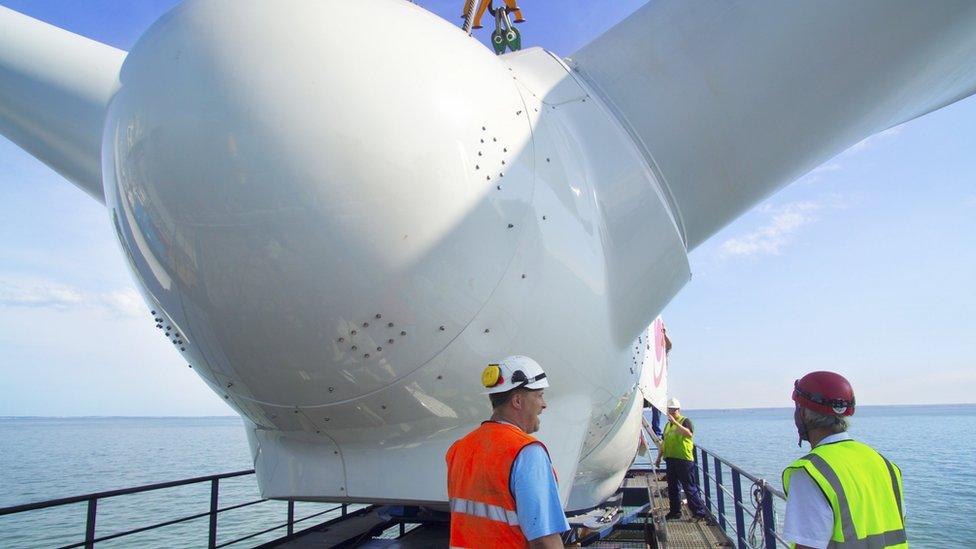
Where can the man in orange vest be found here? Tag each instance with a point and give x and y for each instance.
(500, 480)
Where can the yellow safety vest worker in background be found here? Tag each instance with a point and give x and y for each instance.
(676, 445)
(864, 490)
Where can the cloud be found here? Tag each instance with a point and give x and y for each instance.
(837, 164)
(124, 302)
(39, 294)
(828, 167)
(872, 140)
(770, 238)
(44, 294)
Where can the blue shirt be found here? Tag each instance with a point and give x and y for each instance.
(536, 496)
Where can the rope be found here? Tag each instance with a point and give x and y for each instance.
(757, 529)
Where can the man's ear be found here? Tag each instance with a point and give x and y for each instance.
(516, 400)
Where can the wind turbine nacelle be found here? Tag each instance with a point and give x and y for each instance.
(339, 224)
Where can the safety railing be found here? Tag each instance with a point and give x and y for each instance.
(761, 532)
(91, 538)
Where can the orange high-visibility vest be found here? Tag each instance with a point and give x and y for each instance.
(478, 470)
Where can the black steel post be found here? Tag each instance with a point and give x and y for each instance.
(344, 509)
(214, 489)
(719, 493)
(291, 517)
(769, 524)
(90, 525)
(740, 519)
(705, 480)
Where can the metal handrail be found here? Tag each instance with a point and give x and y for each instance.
(770, 537)
(290, 524)
(121, 492)
(742, 472)
(214, 480)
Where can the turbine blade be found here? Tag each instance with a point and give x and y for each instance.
(732, 100)
(54, 89)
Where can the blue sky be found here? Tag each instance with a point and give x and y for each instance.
(865, 266)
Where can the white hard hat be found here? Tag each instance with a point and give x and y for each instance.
(673, 403)
(512, 372)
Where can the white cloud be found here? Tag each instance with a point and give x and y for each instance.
(124, 302)
(872, 140)
(770, 238)
(39, 293)
(828, 167)
(44, 294)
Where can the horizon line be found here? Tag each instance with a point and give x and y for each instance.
(240, 417)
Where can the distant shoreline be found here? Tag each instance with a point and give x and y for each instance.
(949, 405)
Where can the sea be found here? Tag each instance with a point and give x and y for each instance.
(47, 458)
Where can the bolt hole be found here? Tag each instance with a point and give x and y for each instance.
(389, 325)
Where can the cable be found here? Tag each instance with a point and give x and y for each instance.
(757, 529)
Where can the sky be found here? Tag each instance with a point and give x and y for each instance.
(865, 266)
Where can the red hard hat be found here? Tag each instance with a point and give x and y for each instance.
(824, 392)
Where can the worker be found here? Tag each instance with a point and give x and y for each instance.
(843, 493)
(500, 480)
(483, 5)
(678, 452)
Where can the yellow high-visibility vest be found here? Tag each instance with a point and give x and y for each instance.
(864, 490)
(676, 445)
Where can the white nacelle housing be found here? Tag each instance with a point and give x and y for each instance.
(339, 233)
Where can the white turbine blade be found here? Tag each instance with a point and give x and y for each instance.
(733, 100)
(54, 88)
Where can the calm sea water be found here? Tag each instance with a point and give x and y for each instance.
(44, 458)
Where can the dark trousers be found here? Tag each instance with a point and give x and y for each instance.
(682, 473)
(656, 422)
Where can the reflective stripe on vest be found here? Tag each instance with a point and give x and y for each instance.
(676, 445)
(483, 510)
(842, 510)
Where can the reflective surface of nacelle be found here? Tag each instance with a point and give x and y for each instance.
(339, 225)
